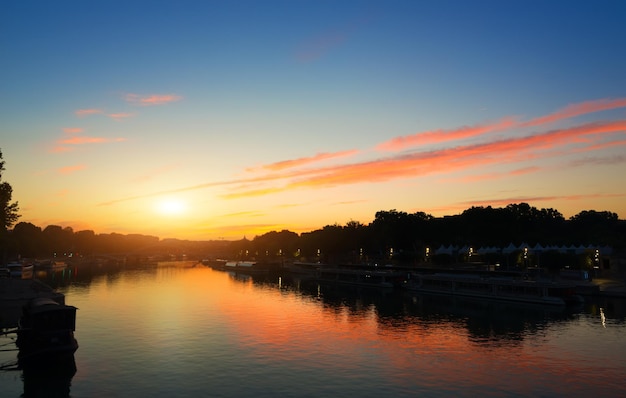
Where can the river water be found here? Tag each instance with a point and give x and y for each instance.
(184, 330)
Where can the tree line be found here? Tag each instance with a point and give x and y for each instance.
(392, 236)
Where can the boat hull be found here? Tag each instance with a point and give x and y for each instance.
(536, 292)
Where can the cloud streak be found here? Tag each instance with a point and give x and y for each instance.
(579, 109)
(152, 99)
(69, 143)
(447, 160)
(507, 123)
(71, 169)
(72, 130)
(531, 147)
(438, 136)
(286, 164)
(87, 112)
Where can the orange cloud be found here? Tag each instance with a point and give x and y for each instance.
(119, 116)
(507, 123)
(72, 130)
(62, 144)
(285, 164)
(60, 149)
(445, 160)
(71, 169)
(603, 145)
(154, 99)
(552, 143)
(86, 112)
(254, 192)
(436, 136)
(577, 110)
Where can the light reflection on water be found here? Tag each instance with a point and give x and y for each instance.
(177, 330)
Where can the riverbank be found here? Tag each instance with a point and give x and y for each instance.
(14, 293)
(610, 287)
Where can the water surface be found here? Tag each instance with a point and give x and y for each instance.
(178, 329)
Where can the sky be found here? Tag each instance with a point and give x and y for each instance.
(228, 119)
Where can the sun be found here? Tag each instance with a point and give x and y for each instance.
(171, 207)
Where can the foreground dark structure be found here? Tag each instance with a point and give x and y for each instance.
(46, 332)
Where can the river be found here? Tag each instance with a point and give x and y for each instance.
(180, 329)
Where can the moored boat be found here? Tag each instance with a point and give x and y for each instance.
(492, 287)
(363, 277)
(245, 267)
(50, 265)
(20, 270)
(46, 331)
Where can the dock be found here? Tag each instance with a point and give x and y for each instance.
(14, 293)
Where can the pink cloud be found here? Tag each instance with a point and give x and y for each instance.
(445, 160)
(283, 175)
(119, 116)
(286, 164)
(507, 123)
(436, 136)
(86, 112)
(154, 99)
(577, 110)
(71, 169)
(83, 140)
(72, 130)
(415, 164)
(69, 144)
(61, 149)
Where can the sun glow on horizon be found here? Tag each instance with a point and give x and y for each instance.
(170, 207)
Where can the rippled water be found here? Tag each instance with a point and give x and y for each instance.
(177, 330)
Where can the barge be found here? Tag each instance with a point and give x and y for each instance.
(46, 331)
(499, 288)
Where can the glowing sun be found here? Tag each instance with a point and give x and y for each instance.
(171, 207)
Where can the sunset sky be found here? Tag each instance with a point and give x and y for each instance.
(223, 119)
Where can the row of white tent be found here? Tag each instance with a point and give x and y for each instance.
(524, 247)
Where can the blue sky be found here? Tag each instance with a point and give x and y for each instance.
(185, 101)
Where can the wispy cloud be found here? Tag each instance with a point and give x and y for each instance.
(286, 164)
(455, 156)
(71, 169)
(597, 160)
(89, 140)
(120, 116)
(87, 112)
(151, 99)
(437, 136)
(72, 130)
(574, 110)
(507, 123)
(446, 160)
(73, 139)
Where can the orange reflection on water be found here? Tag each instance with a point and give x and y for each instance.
(284, 326)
